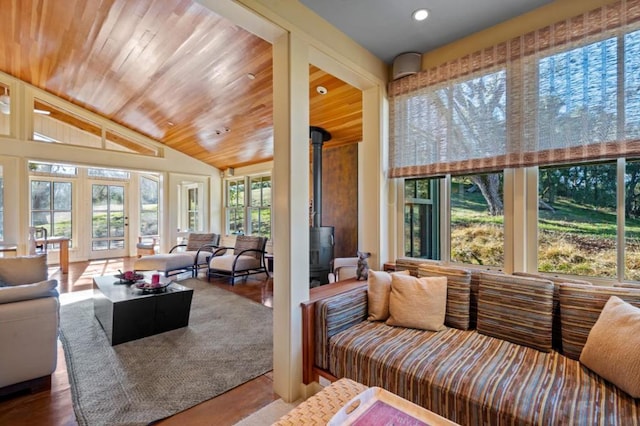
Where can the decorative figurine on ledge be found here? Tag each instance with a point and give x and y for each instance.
(362, 271)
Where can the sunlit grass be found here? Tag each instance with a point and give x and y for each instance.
(574, 239)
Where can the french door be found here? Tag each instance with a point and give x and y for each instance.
(109, 220)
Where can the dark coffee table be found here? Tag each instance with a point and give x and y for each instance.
(127, 313)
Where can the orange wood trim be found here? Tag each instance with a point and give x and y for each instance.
(308, 344)
(325, 374)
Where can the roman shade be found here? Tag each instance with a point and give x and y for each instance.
(568, 92)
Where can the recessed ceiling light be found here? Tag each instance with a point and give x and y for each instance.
(322, 90)
(420, 14)
(251, 76)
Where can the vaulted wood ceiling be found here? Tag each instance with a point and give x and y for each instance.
(170, 69)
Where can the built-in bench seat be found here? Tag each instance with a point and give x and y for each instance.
(476, 378)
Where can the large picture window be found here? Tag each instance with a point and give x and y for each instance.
(477, 219)
(235, 207)
(248, 202)
(577, 220)
(149, 206)
(421, 218)
(51, 206)
(260, 206)
(559, 107)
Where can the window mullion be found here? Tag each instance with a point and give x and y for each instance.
(620, 215)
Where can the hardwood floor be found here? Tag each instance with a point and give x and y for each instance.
(54, 407)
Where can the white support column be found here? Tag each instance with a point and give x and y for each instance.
(291, 210)
(373, 187)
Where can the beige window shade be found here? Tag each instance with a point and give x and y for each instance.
(567, 92)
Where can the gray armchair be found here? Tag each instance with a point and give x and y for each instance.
(200, 247)
(244, 259)
(29, 320)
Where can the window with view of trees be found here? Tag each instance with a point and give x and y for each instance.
(51, 206)
(193, 209)
(477, 219)
(149, 191)
(577, 220)
(260, 206)
(559, 105)
(235, 207)
(422, 218)
(249, 206)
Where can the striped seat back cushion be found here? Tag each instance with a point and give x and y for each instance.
(248, 242)
(475, 288)
(196, 241)
(516, 309)
(580, 307)
(556, 280)
(412, 265)
(458, 292)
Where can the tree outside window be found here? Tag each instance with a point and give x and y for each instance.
(477, 219)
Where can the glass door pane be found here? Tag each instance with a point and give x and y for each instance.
(109, 220)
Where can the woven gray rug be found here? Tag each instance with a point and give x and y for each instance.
(228, 342)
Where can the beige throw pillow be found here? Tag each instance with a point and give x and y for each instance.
(379, 287)
(612, 346)
(418, 302)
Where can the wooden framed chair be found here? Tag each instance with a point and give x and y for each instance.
(41, 233)
(244, 259)
(146, 245)
(343, 268)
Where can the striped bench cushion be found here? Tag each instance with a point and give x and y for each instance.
(476, 379)
(580, 307)
(458, 292)
(516, 309)
(335, 314)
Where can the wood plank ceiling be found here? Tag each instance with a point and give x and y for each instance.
(172, 70)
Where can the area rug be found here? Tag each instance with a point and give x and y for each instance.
(228, 342)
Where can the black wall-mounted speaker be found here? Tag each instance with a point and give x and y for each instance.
(406, 64)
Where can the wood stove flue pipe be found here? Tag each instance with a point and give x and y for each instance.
(318, 137)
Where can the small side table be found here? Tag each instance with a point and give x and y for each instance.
(8, 248)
